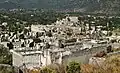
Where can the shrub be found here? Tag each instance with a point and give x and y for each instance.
(34, 71)
(5, 55)
(73, 67)
(59, 68)
(47, 70)
(86, 68)
(111, 65)
(5, 69)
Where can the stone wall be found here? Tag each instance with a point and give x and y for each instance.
(83, 55)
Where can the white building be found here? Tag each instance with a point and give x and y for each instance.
(40, 28)
(73, 19)
(31, 58)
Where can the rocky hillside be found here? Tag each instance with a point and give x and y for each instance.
(81, 5)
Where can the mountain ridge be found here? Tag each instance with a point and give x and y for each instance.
(87, 5)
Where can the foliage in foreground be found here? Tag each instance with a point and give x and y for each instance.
(73, 67)
(111, 65)
(5, 56)
(7, 69)
(47, 70)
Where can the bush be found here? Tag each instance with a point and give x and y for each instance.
(5, 56)
(47, 70)
(5, 69)
(59, 68)
(73, 67)
(111, 65)
(34, 71)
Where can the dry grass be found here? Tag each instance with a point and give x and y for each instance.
(34, 71)
(111, 65)
(116, 49)
(58, 68)
(86, 68)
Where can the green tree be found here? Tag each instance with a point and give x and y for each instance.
(47, 70)
(5, 69)
(5, 55)
(73, 67)
(68, 19)
(10, 45)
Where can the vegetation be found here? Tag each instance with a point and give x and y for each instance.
(104, 6)
(5, 56)
(5, 69)
(5, 61)
(47, 70)
(18, 20)
(111, 65)
(73, 67)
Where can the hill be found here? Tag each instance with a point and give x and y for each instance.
(79, 5)
(8, 5)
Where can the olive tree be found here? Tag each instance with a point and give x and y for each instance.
(73, 67)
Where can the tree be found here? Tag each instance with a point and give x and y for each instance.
(61, 45)
(5, 55)
(68, 19)
(26, 31)
(37, 40)
(73, 67)
(22, 45)
(7, 69)
(31, 44)
(21, 36)
(10, 45)
(47, 46)
(37, 35)
(80, 19)
(49, 33)
(110, 33)
(109, 49)
(47, 70)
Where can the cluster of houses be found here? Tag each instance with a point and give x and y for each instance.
(42, 45)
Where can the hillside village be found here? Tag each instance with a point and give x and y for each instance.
(69, 39)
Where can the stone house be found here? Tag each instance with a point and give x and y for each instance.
(31, 57)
